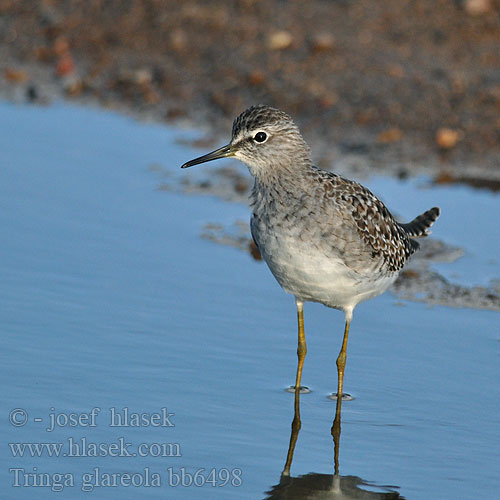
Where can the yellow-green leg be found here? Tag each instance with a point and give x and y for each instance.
(341, 360)
(301, 354)
(301, 347)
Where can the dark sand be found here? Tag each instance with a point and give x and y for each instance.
(399, 86)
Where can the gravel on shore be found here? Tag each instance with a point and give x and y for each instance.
(395, 86)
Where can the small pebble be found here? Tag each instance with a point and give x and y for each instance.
(477, 7)
(15, 75)
(143, 76)
(279, 40)
(447, 138)
(256, 78)
(323, 42)
(390, 135)
(178, 40)
(65, 65)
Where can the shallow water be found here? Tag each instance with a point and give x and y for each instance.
(110, 300)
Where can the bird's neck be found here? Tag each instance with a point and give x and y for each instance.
(281, 173)
(279, 183)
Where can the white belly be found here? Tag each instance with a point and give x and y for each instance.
(312, 276)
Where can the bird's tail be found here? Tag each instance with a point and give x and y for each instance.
(419, 226)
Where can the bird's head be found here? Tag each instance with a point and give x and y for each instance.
(263, 138)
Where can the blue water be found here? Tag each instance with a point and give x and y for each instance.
(111, 300)
(469, 220)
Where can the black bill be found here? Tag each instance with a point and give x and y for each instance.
(223, 152)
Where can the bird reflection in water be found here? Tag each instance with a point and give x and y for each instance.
(325, 486)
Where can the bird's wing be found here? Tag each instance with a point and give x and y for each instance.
(384, 237)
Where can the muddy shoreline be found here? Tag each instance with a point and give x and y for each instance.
(396, 87)
(387, 89)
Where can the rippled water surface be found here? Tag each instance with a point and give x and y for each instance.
(110, 300)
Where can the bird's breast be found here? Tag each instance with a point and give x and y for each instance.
(311, 261)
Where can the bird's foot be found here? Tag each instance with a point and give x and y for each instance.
(303, 389)
(345, 396)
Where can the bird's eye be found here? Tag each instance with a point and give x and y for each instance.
(260, 137)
